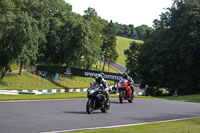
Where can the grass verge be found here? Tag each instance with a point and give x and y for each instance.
(185, 98)
(43, 97)
(71, 95)
(30, 81)
(67, 95)
(181, 126)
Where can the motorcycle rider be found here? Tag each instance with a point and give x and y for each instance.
(131, 84)
(100, 80)
(102, 74)
(125, 76)
(128, 90)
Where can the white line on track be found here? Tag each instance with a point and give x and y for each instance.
(94, 128)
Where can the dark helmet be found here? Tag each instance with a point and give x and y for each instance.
(125, 75)
(98, 78)
(102, 74)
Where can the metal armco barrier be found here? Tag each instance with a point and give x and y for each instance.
(78, 72)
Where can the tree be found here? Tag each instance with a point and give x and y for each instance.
(40, 12)
(7, 54)
(26, 38)
(129, 31)
(170, 56)
(70, 41)
(51, 14)
(78, 35)
(141, 32)
(132, 31)
(185, 30)
(57, 13)
(96, 26)
(109, 44)
(132, 59)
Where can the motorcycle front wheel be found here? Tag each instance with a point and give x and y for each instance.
(106, 107)
(121, 97)
(90, 106)
(130, 100)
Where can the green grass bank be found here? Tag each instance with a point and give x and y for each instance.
(70, 95)
(31, 81)
(181, 126)
(123, 44)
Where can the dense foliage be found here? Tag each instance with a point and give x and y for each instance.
(132, 59)
(129, 31)
(48, 31)
(108, 48)
(170, 55)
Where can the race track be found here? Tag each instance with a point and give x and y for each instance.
(119, 67)
(63, 115)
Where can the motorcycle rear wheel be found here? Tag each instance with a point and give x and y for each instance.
(90, 106)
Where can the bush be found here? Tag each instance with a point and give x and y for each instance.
(149, 91)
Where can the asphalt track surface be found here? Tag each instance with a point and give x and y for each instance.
(119, 67)
(62, 115)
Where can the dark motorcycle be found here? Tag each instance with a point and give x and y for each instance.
(123, 87)
(97, 99)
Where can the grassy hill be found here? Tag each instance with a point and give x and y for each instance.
(33, 82)
(123, 44)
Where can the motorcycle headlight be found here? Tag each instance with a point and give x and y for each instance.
(90, 91)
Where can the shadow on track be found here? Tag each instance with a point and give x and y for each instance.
(117, 102)
(80, 112)
(75, 112)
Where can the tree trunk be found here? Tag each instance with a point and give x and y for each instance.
(104, 62)
(100, 63)
(3, 74)
(21, 66)
(108, 67)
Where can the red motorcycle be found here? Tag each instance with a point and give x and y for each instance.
(125, 92)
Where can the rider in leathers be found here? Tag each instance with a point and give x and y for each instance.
(131, 84)
(128, 90)
(100, 80)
